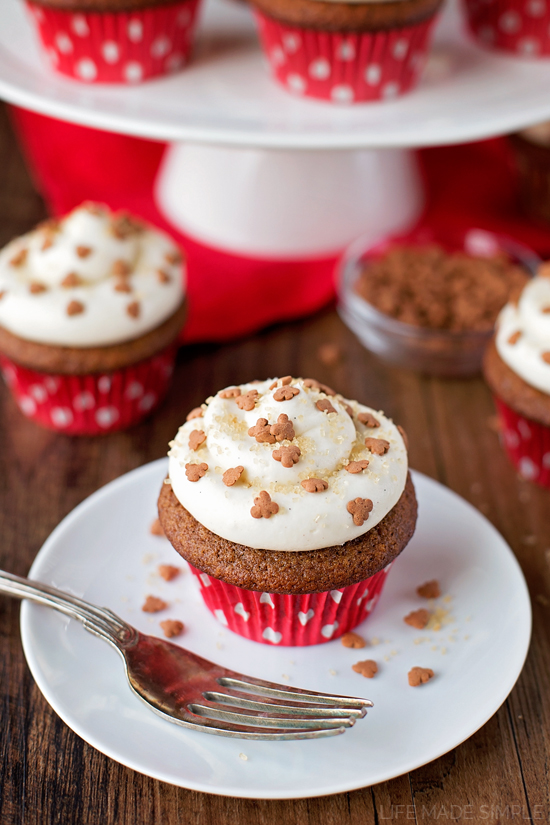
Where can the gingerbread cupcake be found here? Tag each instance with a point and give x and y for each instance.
(346, 52)
(517, 369)
(290, 504)
(115, 41)
(91, 307)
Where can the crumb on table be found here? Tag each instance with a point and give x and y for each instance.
(168, 571)
(156, 528)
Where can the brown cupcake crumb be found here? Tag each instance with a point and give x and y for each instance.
(231, 476)
(359, 508)
(75, 308)
(314, 485)
(134, 309)
(285, 393)
(71, 280)
(153, 604)
(324, 405)
(195, 472)
(368, 668)
(288, 456)
(368, 419)
(171, 628)
(196, 438)
(283, 430)
(353, 640)
(35, 288)
(247, 401)
(261, 432)
(419, 676)
(356, 466)
(378, 446)
(329, 354)
(418, 618)
(263, 506)
(156, 528)
(429, 590)
(197, 412)
(168, 572)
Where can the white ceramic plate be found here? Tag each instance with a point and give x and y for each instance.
(103, 552)
(226, 96)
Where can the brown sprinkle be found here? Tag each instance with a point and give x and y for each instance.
(546, 357)
(2, 293)
(247, 401)
(83, 251)
(286, 380)
(261, 432)
(121, 267)
(357, 466)
(35, 288)
(124, 226)
(47, 242)
(378, 446)
(196, 438)
(283, 430)
(368, 419)
(197, 412)
(263, 506)
(134, 309)
(231, 476)
(172, 627)
(349, 410)
(156, 528)
(153, 604)
(420, 675)
(429, 590)
(75, 308)
(163, 277)
(311, 383)
(353, 640)
(368, 668)
(324, 405)
(233, 392)
(123, 285)
(288, 456)
(285, 393)
(168, 572)
(359, 508)
(19, 258)
(514, 337)
(314, 485)
(71, 280)
(546, 310)
(175, 257)
(418, 618)
(195, 471)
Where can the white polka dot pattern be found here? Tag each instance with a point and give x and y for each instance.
(345, 68)
(276, 619)
(527, 444)
(117, 47)
(518, 26)
(91, 404)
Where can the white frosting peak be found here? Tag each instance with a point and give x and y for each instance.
(319, 445)
(523, 334)
(120, 278)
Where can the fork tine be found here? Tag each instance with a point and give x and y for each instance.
(267, 722)
(272, 707)
(274, 691)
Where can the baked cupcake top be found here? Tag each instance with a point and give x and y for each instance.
(94, 278)
(287, 464)
(523, 332)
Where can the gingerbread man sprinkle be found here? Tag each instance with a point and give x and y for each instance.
(359, 508)
(288, 456)
(314, 485)
(357, 466)
(418, 618)
(231, 476)
(368, 668)
(196, 438)
(378, 446)
(353, 640)
(283, 430)
(263, 506)
(247, 401)
(368, 419)
(261, 432)
(324, 405)
(420, 676)
(285, 393)
(195, 471)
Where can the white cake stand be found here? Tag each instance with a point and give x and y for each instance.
(238, 177)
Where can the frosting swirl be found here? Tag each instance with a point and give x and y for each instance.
(287, 465)
(523, 333)
(94, 278)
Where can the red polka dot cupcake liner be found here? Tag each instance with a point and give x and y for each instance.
(345, 67)
(91, 404)
(527, 444)
(117, 47)
(275, 619)
(518, 26)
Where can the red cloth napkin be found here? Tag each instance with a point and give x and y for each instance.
(468, 185)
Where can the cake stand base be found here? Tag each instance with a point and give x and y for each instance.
(281, 204)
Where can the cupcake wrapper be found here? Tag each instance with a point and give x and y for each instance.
(272, 618)
(91, 404)
(519, 26)
(345, 67)
(117, 47)
(527, 443)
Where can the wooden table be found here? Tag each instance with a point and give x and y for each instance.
(49, 775)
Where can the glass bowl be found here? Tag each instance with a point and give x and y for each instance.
(432, 351)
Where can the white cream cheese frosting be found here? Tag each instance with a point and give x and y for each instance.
(94, 278)
(523, 334)
(316, 435)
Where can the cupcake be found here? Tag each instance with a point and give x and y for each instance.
(531, 149)
(520, 27)
(115, 41)
(90, 310)
(346, 52)
(517, 369)
(290, 504)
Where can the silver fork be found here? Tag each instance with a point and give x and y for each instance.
(185, 689)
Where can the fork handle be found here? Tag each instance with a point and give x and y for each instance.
(98, 620)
